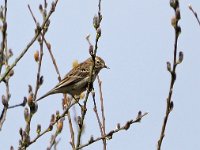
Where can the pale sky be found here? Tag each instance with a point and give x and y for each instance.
(137, 40)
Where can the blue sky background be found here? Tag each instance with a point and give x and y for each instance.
(137, 40)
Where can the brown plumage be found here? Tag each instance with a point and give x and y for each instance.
(76, 81)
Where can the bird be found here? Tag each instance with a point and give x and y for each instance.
(76, 80)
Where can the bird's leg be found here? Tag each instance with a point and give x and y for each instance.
(77, 100)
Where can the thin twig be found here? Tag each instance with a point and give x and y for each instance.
(22, 104)
(32, 14)
(195, 14)
(37, 84)
(52, 58)
(56, 143)
(169, 106)
(5, 60)
(4, 35)
(84, 109)
(52, 124)
(93, 55)
(99, 121)
(39, 30)
(53, 140)
(112, 132)
(102, 110)
(59, 78)
(65, 97)
(39, 65)
(70, 123)
(3, 117)
(5, 109)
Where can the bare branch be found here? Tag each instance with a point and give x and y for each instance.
(96, 23)
(102, 109)
(39, 30)
(169, 107)
(110, 134)
(195, 13)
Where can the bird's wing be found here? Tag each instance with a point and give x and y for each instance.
(74, 76)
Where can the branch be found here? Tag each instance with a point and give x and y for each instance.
(4, 61)
(51, 124)
(195, 13)
(110, 134)
(38, 31)
(4, 35)
(169, 107)
(96, 24)
(57, 132)
(99, 121)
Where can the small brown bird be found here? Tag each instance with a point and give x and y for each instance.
(76, 81)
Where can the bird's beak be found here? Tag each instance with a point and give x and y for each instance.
(106, 67)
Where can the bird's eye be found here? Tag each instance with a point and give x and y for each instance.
(98, 61)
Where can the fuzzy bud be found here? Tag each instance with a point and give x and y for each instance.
(53, 6)
(20, 131)
(11, 73)
(5, 26)
(30, 89)
(25, 137)
(96, 21)
(79, 121)
(34, 107)
(41, 8)
(30, 99)
(110, 134)
(180, 59)
(10, 53)
(38, 28)
(174, 21)
(91, 139)
(26, 114)
(169, 66)
(24, 101)
(11, 147)
(38, 129)
(174, 4)
(171, 106)
(98, 32)
(57, 114)
(32, 104)
(64, 103)
(4, 101)
(118, 126)
(44, 13)
(139, 116)
(190, 7)
(36, 56)
(178, 14)
(91, 50)
(127, 126)
(41, 80)
(52, 119)
(59, 126)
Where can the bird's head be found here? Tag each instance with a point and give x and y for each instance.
(100, 63)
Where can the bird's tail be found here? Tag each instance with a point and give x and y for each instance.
(47, 94)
